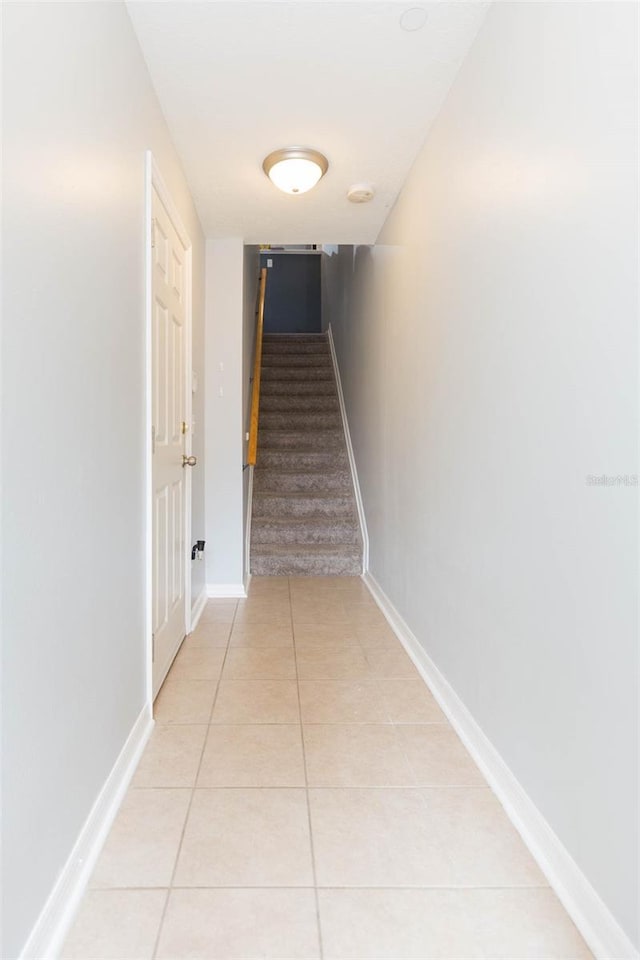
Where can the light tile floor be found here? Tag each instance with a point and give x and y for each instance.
(302, 796)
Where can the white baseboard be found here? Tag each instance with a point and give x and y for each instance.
(53, 924)
(352, 458)
(594, 920)
(221, 591)
(197, 608)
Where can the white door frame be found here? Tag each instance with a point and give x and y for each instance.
(154, 179)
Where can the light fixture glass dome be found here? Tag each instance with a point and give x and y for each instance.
(295, 169)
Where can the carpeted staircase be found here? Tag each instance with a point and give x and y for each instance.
(305, 519)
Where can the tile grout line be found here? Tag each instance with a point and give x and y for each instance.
(310, 723)
(338, 886)
(338, 786)
(306, 780)
(193, 792)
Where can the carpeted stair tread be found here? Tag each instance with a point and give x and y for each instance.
(293, 404)
(306, 559)
(322, 373)
(278, 480)
(312, 459)
(275, 361)
(297, 388)
(287, 347)
(302, 504)
(299, 338)
(300, 420)
(316, 549)
(284, 531)
(305, 520)
(299, 439)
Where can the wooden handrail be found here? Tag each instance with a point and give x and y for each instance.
(252, 455)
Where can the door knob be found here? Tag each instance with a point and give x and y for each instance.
(189, 461)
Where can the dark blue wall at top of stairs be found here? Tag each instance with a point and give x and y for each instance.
(292, 303)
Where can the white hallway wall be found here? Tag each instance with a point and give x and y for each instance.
(487, 346)
(232, 274)
(79, 113)
(249, 303)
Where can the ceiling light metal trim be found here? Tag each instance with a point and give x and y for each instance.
(295, 153)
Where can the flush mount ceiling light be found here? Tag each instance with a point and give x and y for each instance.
(295, 169)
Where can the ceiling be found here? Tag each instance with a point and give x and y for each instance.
(238, 79)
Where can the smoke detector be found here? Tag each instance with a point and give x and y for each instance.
(360, 193)
(413, 19)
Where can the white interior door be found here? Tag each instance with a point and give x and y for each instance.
(170, 479)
